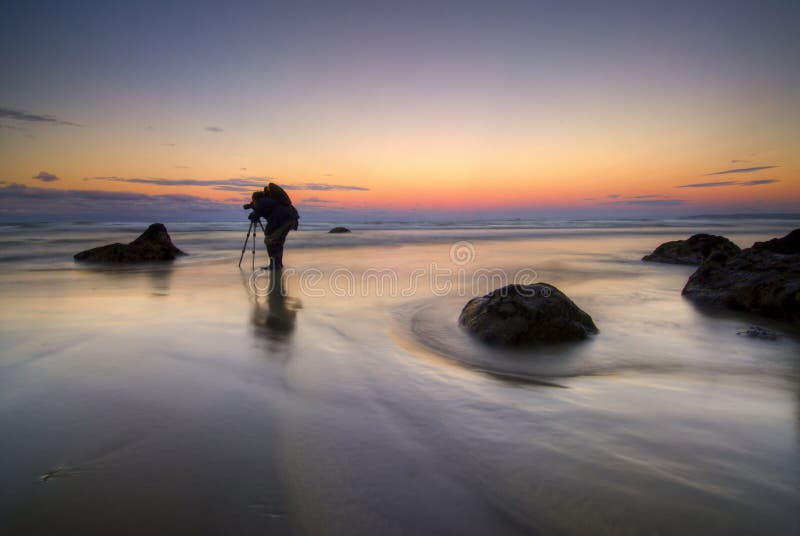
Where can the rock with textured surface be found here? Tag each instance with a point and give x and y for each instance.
(764, 279)
(152, 245)
(787, 245)
(692, 251)
(338, 230)
(526, 314)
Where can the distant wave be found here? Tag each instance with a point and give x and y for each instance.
(33, 243)
(701, 221)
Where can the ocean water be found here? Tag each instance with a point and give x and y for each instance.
(343, 398)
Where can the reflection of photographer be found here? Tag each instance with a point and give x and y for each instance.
(274, 205)
(275, 318)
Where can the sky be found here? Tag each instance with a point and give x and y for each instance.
(178, 110)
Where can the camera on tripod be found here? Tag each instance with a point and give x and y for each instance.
(254, 198)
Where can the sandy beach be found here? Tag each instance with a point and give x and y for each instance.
(198, 397)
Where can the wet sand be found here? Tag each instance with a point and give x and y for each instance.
(178, 400)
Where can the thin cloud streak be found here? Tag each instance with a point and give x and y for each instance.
(742, 170)
(226, 188)
(323, 187)
(20, 200)
(756, 182)
(250, 182)
(317, 200)
(226, 184)
(46, 177)
(651, 202)
(708, 184)
(19, 115)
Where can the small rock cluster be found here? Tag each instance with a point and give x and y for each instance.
(764, 278)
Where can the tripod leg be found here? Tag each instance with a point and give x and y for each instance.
(254, 247)
(244, 247)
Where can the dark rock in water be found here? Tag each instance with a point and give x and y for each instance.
(788, 245)
(757, 332)
(526, 314)
(758, 279)
(152, 245)
(692, 251)
(339, 230)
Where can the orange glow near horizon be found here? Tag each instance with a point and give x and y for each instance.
(418, 169)
(478, 194)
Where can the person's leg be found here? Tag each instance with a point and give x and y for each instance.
(275, 240)
(275, 252)
(275, 246)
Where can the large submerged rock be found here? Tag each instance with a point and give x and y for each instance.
(338, 230)
(526, 314)
(152, 245)
(692, 251)
(764, 279)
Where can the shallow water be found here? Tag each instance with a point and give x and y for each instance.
(195, 398)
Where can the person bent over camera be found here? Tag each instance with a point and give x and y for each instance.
(276, 207)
